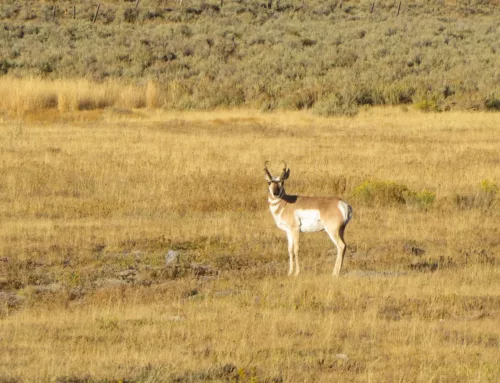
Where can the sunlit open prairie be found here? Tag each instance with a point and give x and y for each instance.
(91, 203)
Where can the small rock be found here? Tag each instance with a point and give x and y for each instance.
(342, 356)
(171, 258)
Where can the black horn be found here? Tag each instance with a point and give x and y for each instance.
(285, 168)
(267, 171)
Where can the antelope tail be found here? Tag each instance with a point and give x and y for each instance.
(346, 210)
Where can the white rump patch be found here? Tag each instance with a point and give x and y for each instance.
(344, 209)
(309, 220)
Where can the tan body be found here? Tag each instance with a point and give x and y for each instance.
(295, 214)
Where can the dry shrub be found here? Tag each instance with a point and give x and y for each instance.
(483, 198)
(480, 201)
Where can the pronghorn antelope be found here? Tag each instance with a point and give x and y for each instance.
(295, 214)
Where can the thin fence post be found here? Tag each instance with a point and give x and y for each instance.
(399, 8)
(74, 12)
(372, 7)
(136, 4)
(96, 12)
(54, 12)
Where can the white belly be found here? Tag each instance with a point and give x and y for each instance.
(309, 221)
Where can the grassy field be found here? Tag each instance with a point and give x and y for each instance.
(143, 129)
(92, 201)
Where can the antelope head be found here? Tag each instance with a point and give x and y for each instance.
(276, 184)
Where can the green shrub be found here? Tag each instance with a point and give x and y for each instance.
(425, 198)
(427, 105)
(488, 186)
(385, 193)
(420, 200)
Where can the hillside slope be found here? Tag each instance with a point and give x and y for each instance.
(330, 56)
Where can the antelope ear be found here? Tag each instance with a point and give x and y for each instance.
(286, 175)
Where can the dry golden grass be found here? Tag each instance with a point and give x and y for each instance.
(25, 96)
(86, 196)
